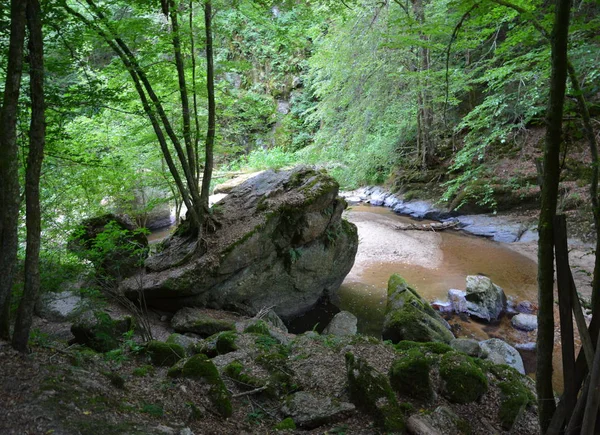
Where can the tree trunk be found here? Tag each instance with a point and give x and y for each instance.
(37, 135)
(545, 339)
(210, 86)
(9, 164)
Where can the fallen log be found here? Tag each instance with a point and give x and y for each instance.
(435, 226)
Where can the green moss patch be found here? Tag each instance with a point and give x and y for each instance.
(431, 347)
(202, 368)
(258, 327)
(463, 380)
(164, 354)
(286, 424)
(409, 375)
(514, 399)
(370, 391)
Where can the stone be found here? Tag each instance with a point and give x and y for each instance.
(164, 354)
(378, 196)
(524, 322)
(184, 341)
(469, 346)
(410, 317)
(342, 324)
(529, 346)
(500, 352)
(310, 410)
(462, 380)
(526, 307)
(194, 320)
(419, 425)
(272, 318)
(494, 227)
(485, 300)
(280, 241)
(98, 331)
(61, 306)
(409, 375)
(227, 186)
(458, 300)
(391, 201)
(371, 392)
(443, 306)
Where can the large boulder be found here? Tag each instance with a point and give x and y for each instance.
(343, 323)
(311, 410)
(485, 300)
(279, 241)
(410, 317)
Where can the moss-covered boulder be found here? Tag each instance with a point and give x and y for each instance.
(184, 341)
(280, 241)
(164, 354)
(257, 327)
(99, 331)
(410, 317)
(197, 321)
(513, 400)
(217, 344)
(409, 375)
(462, 379)
(200, 367)
(371, 392)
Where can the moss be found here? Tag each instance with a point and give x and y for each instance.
(431, 347)
(395, 282)
(235, 370)
(411, 323)
(514, 399)
(409, 375)
(226, 342)
(258, 327)
(207, 326)
(464, 381)
(286, 424)
(143, 371)
(202, 368)
(164, 354)
(371, 392)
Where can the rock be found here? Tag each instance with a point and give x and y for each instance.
(99, 331)
(283, 107)
(378, 196)
(280, 242)
(462, 380)
(458, 300)
(122, 249)
(60, 306)
(311, 410)
(391, 201)
(469, 346)
(227, 186)
(410, 317)
(494, 227)
(342, 324)
(443, 307)
(409, 375)
(529, 346)
(526, 307)
(500, 352)
(194, 320)
(184, 341)
(272, 318)
(530, 235)
(164, 354)
(421, 209)
(371, 392)
(485, 299)
(419, 425)
(524, 322)
(514, 397)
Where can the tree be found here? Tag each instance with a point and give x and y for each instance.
(551, 174)
(9, 166)
(37, 137)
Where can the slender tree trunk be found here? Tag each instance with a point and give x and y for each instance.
(210, 86)
(545, 339)
(37, 135)
(9, 165)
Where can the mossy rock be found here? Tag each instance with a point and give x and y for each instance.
(286, 424)
(235, 370)
(409, 375)
(514, 398)
(410, 317)
(186, 342)
(99, 331)
(202, 368)
(164, 354)
(226, 342)
(142, 371)
(258, 327)
(371, 392)
(433, 347)
(463, 380)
